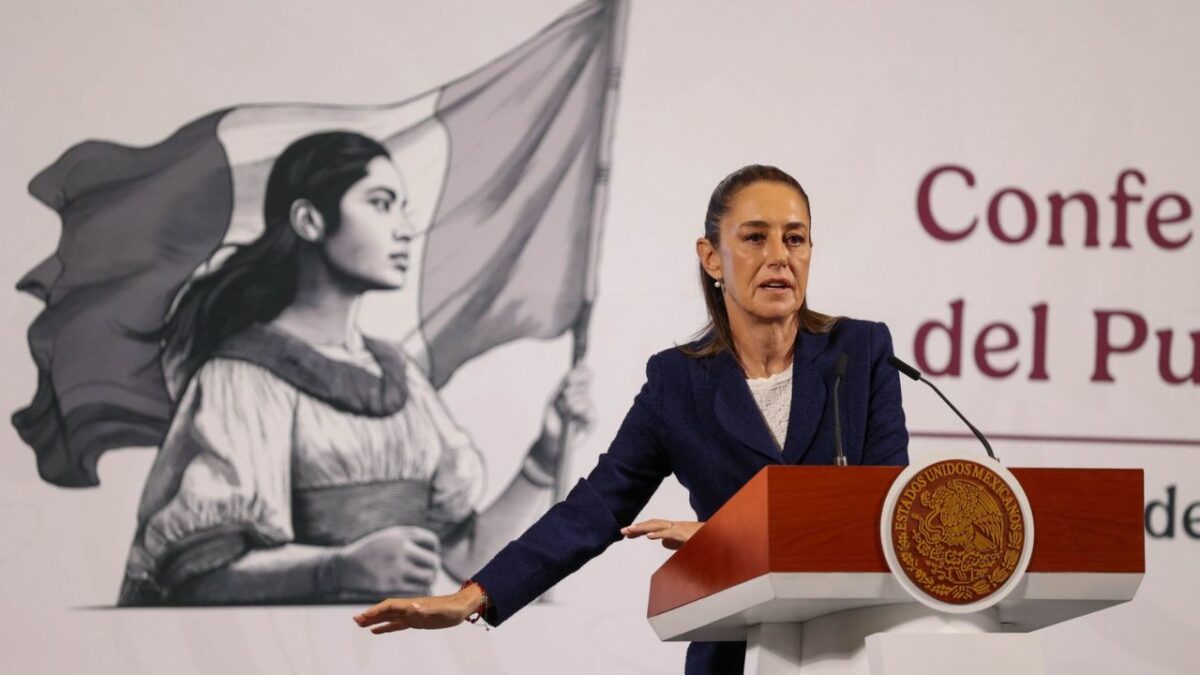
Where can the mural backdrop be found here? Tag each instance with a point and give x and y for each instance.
(1010, 189)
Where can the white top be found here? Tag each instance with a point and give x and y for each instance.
(774, 398)
(242, 440)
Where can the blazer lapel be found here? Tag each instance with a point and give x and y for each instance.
(808, 397)
(736, 411)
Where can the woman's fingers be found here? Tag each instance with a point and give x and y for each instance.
(646, 527)
(579, 375)
(672, 533)
(573, 399)
(422, 537)
(392, 615)
(389, 628)
(377, 613)
(420, 557)
(414, 581)
(578, 406)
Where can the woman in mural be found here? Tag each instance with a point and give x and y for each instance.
(307, 462)
(750, 392)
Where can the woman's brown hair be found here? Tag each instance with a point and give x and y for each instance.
(717, 337)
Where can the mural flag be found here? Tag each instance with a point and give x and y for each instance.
(504, 166)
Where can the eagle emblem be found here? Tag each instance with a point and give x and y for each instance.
(958, 531)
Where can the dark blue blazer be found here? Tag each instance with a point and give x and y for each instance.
(697, 419)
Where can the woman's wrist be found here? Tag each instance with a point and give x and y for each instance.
(475, 598)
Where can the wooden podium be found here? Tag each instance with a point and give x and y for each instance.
(794, 564)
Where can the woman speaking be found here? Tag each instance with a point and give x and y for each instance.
(752, 391)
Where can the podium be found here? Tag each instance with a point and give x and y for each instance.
(794, 564)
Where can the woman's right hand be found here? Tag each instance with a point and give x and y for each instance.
(441, 611)
(673, 533)
(397, 560)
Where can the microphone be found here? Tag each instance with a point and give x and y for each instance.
(916, 375)
(839, 370)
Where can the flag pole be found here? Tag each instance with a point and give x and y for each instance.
(618, 11)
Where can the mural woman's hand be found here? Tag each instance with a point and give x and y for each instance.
(398, 560)
(442, 611)
(672, 533)
(572, 403)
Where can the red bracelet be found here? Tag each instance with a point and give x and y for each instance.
(483, 601)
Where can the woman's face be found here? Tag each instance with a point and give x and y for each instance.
(371, 245)
(764, 252)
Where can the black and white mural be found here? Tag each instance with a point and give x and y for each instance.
(204, 299)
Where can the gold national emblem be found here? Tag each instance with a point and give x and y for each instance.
(958, 531)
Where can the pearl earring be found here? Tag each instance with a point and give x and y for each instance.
(716, 283)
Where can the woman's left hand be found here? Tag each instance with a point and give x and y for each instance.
(442, 611)
(672, 533)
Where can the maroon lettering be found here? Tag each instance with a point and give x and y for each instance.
(1121, 199)
(1040, 314)
(1091, 222)
(1164, 359)
(994, 215)
(1009, 224)
(982, 349)
(1105, 348)
(953, 331)
(925, 210)
(1155, 221)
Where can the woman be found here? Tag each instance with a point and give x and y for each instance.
(307, 462)
(751, 392)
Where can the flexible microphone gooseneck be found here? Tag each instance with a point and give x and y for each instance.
(916, 375)
(839, 371)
